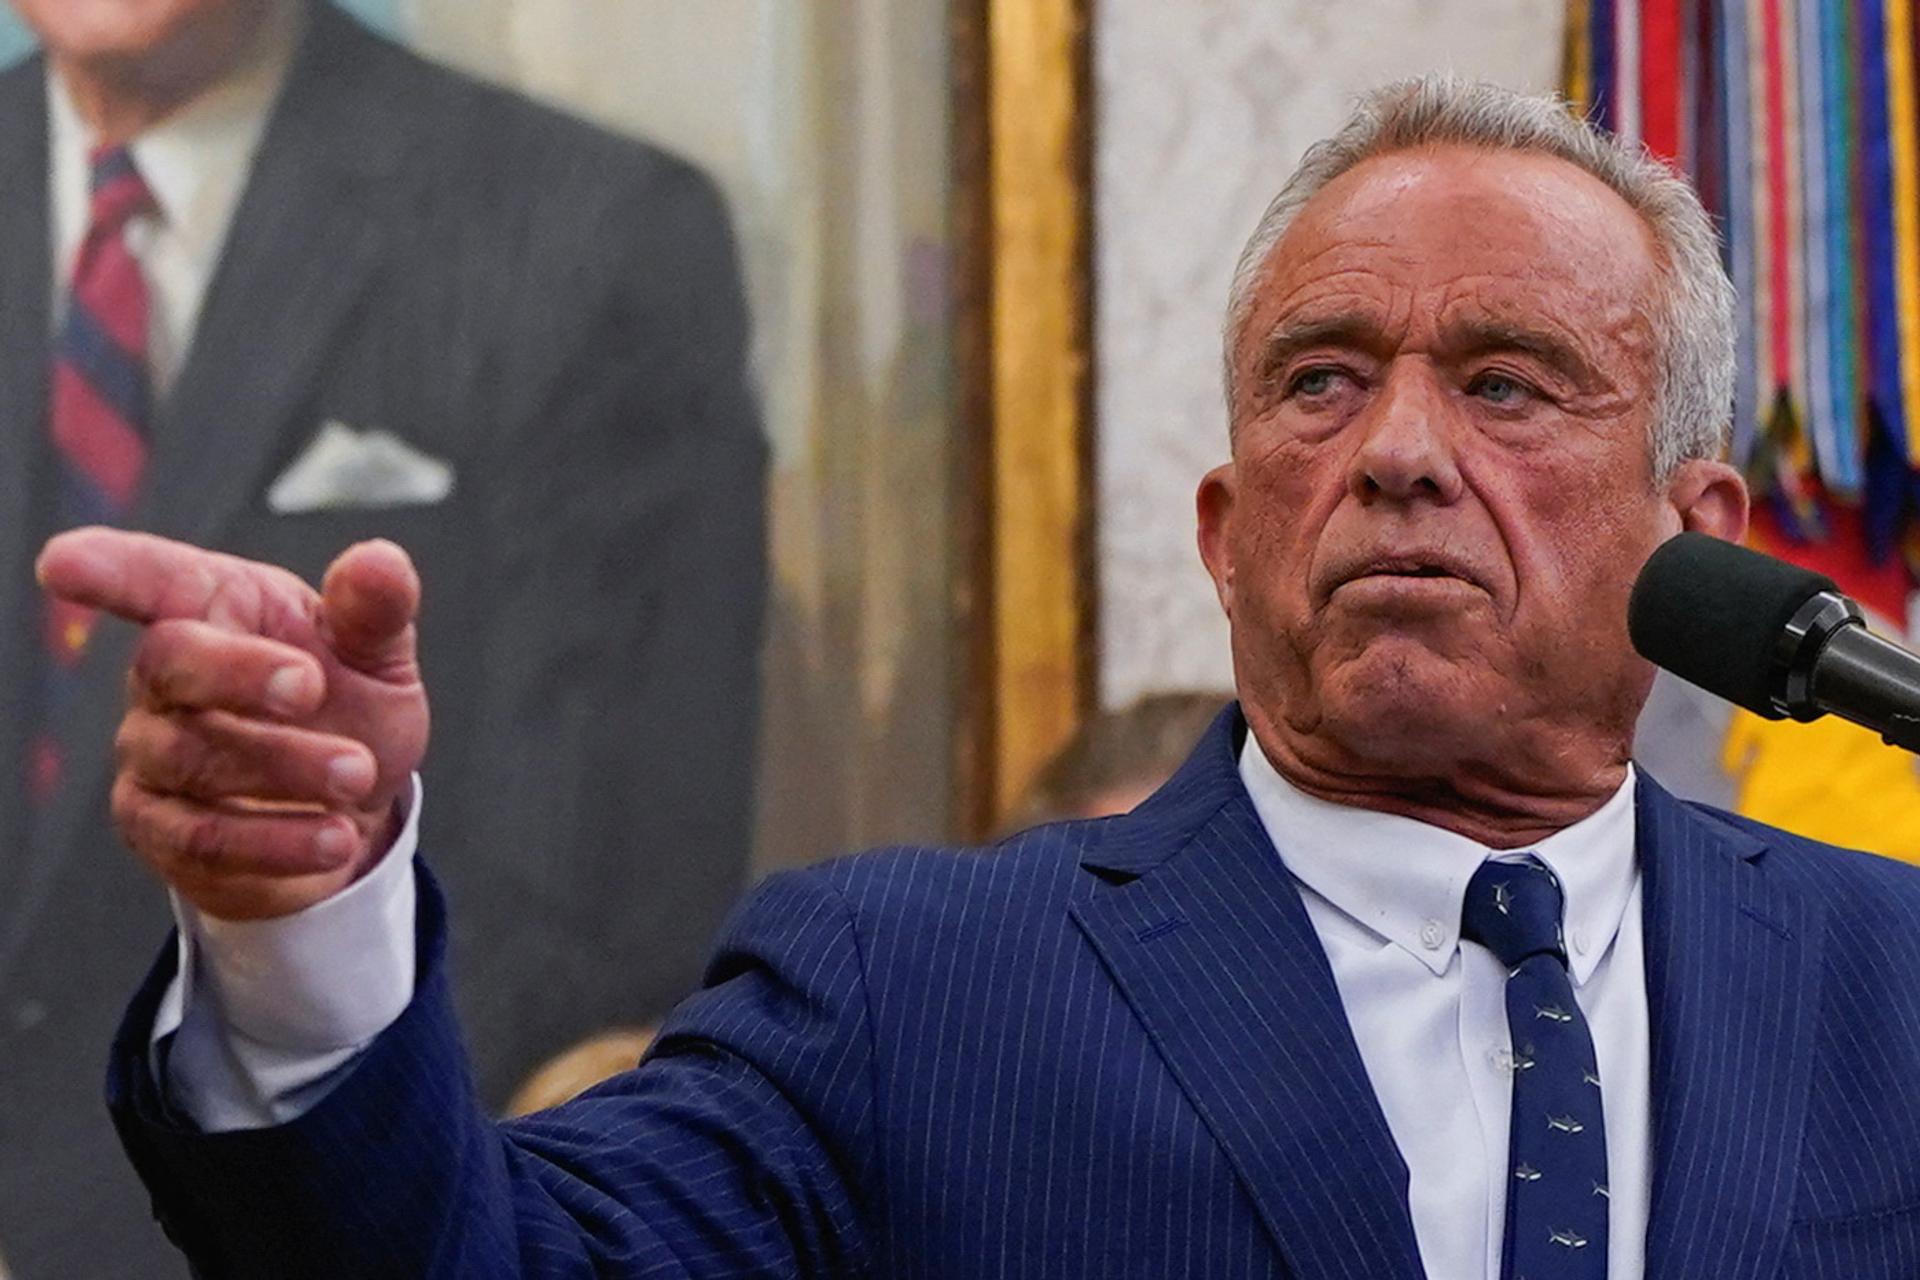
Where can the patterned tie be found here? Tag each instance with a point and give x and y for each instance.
(98, 417)
(1557, 1145)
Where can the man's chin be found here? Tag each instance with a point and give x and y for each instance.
(1413, 706)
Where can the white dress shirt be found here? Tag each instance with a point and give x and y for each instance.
(1429, 1014)
(195, 162)
(267, 1013)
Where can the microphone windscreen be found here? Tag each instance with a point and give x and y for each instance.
(1711, 612)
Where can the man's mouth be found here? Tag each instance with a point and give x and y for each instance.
(1405, 571)
(1407, 566)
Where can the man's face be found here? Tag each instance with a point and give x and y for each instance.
(1441, 486)
(125, 30)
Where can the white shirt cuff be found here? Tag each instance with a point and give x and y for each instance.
(267, 1011)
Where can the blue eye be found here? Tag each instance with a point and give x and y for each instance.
(1314, 382)
(1498, 388)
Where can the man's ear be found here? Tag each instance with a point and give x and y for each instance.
(1215, 505)
(1709, 497)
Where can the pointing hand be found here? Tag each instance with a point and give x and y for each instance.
(271, 730)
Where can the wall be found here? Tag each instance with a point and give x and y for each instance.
(1203, 109)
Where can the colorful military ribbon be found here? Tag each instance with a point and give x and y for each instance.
(1593, 51)
(1661, 85)
(1799, 123)
(1903, 146)
(1740, 228)
(1835, 371)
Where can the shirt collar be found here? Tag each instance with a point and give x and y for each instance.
(196, 160)
(1404, 880)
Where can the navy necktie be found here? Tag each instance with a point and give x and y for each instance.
(1557, 1146)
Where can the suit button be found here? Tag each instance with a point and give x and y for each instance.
(28, 1014)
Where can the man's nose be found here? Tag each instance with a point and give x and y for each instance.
(1406, 450)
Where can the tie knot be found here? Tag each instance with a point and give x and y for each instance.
(1513, 910)
(119, 192)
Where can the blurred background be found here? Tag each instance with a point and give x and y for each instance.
(859, 356)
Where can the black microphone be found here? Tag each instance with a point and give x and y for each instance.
(1774, 638)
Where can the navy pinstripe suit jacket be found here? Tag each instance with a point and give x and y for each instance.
(1103, 1049)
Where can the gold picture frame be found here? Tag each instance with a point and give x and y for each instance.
(1023, 334)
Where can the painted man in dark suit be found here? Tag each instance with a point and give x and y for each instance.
(384, 301)
(1409, 972)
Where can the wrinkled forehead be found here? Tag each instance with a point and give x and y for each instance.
(1419, 238)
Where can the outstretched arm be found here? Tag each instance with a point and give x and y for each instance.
(742, 1146)
(739, 1148)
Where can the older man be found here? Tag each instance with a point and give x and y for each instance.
(1406, 972)
(272, 284)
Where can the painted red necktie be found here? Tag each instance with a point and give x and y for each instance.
(98, 417)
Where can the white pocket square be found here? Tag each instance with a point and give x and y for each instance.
(343, 469)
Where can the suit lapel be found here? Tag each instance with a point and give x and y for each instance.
(303, 249)
(26, 283)
(1733, 969)
(1205, 934)
(26, 347)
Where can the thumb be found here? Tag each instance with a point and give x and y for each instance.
(367, 606)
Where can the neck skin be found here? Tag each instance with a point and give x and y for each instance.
(120, 98)
(1561, 780)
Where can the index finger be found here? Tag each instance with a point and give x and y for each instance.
(136, 576)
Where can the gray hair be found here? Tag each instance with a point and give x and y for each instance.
(1693, 327)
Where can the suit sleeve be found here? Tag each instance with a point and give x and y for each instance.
(630, 581)
(740, 1146)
